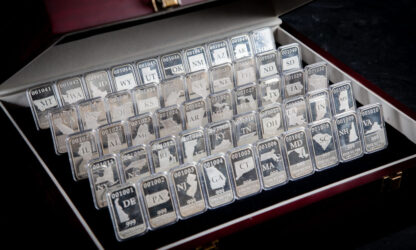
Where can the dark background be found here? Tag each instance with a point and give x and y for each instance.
(375, 38)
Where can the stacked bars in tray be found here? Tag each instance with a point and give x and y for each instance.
(168, 137)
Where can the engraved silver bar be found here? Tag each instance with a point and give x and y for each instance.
(103, 175)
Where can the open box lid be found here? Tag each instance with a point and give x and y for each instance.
(104, 50)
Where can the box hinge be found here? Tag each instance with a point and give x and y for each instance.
(159, 5)
(392, 182)
(209, 246)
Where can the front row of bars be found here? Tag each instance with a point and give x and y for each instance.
(170, 192)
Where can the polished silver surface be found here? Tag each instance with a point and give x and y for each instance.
(70, 90)
(164, 154)
(373, 127)
(216, 180)
(245, 71)
(319, 106)
(323, 144)
(142, 129)
(241, 47)
(267, 64)
(158, 201)
(246, 130)
(218, 53)
(316, 76)
(197, 84)
(135, 163)
(220, 136)
(92, 113)
(149, 71)
(348, 136)
(297, 152)
(244, 169)
(272, 168)
(120, 106)
(270, 90)
(82, 147)
(196, 59)
(295, 113)
(271, 120)
(342, 97)
(42, 99)
(103, 175)
(113, 137)
(172, 65)
(246, 98)
(63, 122)
(146, 98)
(188, 191)
(172, 91)
(263, 40)
(193, 145)
(126, 211)
(290, 57)
(293, 83)
(169, 120)
(221, 105)
(98, 84)
(195, 113)
(221, 78)
(123, 77)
